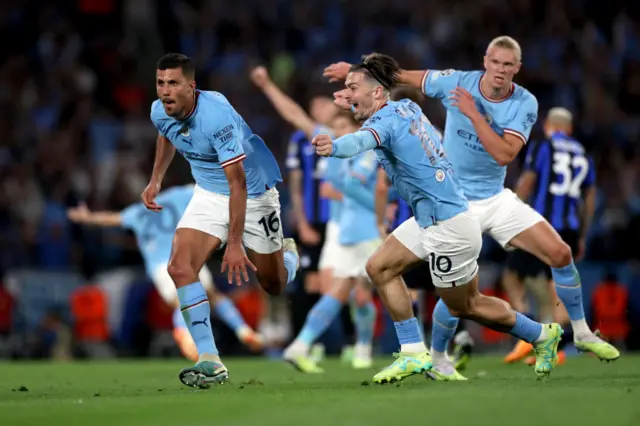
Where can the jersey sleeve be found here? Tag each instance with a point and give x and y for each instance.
(226, 141)
(524, 120)
(130, 216)
(156, 116)
(438, 84)
(381, 127)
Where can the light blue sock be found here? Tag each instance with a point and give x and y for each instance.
(569, 290)
(319, 318)
(196, 311)
(444, 327)
(526, 329)
(229, 314)
(291, 265)
(178, 319)
(408, 331)
(364, 321)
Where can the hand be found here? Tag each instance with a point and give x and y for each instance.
(79, 214)
(464, 101)
(323, 144)
(581, 249)
(260, 76)
(308, 235)
(337, 72)
(236, 261)
(149, 196)
(340, 99)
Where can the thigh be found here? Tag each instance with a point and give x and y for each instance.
(453, 246)
(263, 227)
(510, 218)
(408, 234)
(459, 299)
(192, 247)
(540, 240)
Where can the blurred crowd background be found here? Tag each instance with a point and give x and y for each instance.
(77, 81)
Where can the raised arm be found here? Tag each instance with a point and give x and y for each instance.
(286, 107)
(339, 71)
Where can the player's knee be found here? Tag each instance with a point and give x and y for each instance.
(379, 272)
(181, 272)
(560, 255)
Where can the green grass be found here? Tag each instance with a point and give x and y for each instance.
(264, 393)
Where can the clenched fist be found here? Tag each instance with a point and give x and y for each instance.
(323, 144)
(260, 76)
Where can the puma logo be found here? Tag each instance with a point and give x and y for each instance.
(204, 322)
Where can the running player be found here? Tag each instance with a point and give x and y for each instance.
(358, 239)
(154, 232)
(442, 232)
(489, 119)
(216, 141)
(559, 182)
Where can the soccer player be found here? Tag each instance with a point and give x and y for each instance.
(442, 231)
(489, 119)
(358, 238)
(316, 203)
(558, 181)
(154, 232)
(235, 176)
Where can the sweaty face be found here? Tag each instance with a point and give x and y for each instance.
(175, 91)
(501, 65)
(322, 110)
(343, 125)
(360, 94)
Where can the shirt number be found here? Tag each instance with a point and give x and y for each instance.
(564, 165)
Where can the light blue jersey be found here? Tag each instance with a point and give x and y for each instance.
(479, 174)
(332, 170)
(410, 151)
(154, 231)
(358, 220)
(214, 136)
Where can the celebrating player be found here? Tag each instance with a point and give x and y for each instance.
(489, 119)
(559, 182)
(235, 176)
(442, 232)
(154, 232)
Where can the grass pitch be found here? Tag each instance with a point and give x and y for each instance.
(263, 393)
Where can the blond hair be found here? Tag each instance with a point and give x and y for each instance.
(506, 42)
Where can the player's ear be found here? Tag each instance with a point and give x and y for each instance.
(484, 62)
(518, 66)
(193, 85)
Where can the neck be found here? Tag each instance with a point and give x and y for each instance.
(191, 104)
(495, 93)
(379, 104)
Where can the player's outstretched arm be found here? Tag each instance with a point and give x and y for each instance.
(327, 190)
(339, 71)
(82, 215)
(286, 107)
(346, 146)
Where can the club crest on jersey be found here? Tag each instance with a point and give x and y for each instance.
(440, 175)
(488, 119)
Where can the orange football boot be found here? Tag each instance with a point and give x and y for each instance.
(519, 352)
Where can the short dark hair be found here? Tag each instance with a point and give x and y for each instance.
(177, 60)
(406, 92)
(379, 67)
